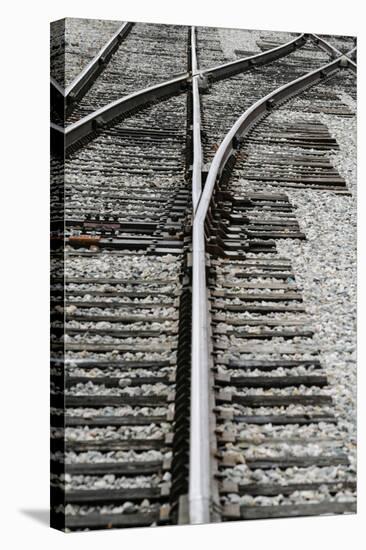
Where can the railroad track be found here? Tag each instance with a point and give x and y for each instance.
(185, 383)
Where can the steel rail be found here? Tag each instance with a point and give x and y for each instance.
(200, 498)
(327, 46)
(84, 80)
(352, 53)
(245, 121)
(85, 77)
(197, 144)
(88, 124)
(233, 67)
(352, 63)
(199, 456)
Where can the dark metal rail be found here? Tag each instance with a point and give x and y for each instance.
(85, 79)
(350, 57)
(326, 46)
(87, 125)
(99, 118)
(233, 67)
(200, 493)
(334, 52)
(244, 123)
(352, 53)
(66, 98)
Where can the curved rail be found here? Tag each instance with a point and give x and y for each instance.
(243, 124)
(245, 63)
(84, 80)
(200, 498)
(87, 125)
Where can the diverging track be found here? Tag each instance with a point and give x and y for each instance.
(272, 430)
(186, 385)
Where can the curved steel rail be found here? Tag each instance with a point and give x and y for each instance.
(243, 124)
(233, 67)
(200, 498)
(83, 81)
(87, 125)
